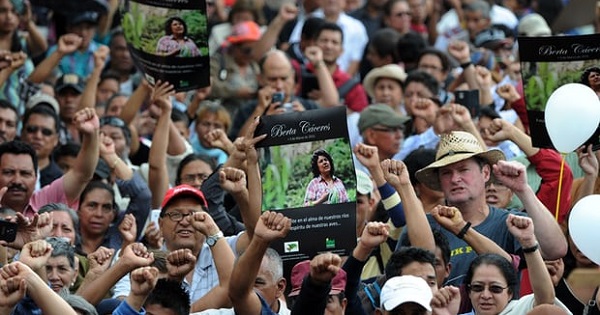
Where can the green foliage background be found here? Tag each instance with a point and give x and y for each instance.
(288, 173)
(143, 30)
(543, 79)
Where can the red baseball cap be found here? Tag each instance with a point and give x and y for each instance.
(301, 271)
(183, 190)
(244, 32)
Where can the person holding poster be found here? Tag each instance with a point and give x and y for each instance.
(175, 42)
(325, 187)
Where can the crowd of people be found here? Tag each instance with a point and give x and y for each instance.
(132, 198)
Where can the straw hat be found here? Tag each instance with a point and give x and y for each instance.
(391, 71)
(454, 147)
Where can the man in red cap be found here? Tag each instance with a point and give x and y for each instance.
(185, 224)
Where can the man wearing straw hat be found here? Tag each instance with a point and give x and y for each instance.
(461, 170)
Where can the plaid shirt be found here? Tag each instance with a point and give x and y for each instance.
(168, 44)
(318, 187)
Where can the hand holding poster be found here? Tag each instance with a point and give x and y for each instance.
(168, 41)
(309, 177)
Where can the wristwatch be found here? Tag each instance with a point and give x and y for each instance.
(213, 239)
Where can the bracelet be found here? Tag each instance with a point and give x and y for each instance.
(464, 230)
(466, 64)
(114, 164)
(531, 249)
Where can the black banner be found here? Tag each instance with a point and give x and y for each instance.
(168, 40)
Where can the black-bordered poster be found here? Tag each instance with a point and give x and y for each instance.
(168, 41)
(309, 176)
(548, 63)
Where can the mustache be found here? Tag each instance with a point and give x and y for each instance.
(13, 187)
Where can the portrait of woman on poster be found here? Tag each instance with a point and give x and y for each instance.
(325, 187)
(175, 42)
(591, 78)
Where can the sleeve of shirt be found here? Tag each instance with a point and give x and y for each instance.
(140, 199)
(215, 196)
(392, 203)
(312, 298)
(353, 268)
(125, 309)
(547, 165)
(54, 192)
(360, 40)
(356, 99)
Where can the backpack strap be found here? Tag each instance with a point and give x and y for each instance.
(347, 86)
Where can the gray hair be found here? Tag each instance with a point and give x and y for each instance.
(61, 247)
(275, 264)
(78, 303)
(479, 6)
(55, 206)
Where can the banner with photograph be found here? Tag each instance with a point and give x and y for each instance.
(548, 63)
(309, 176)
(168, 41)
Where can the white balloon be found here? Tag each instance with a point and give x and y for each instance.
(572, 115)
(584, 221)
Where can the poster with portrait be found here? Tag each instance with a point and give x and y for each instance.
(168, 41)
(547, 63)
(309, 176)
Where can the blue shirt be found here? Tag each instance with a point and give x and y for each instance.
(80, 63)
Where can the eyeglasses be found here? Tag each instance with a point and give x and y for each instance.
(190, 178)
(34, 129)
(178, 216)
(213, 125)
(401, 14)
(112, 121)
(389, 129)
(493, 288)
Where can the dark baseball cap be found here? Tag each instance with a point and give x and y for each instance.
(380, 114)
(83, 17)
(69, 80)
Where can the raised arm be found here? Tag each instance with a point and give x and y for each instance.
(451, 219)
(270, 226)
(223, 256)
(553, 244)
(88, 97)
(135, 101)
(419, 231)
(287, 12)
(134, 256)
(158, 177)
(523, 230)
(67, 44)
(588, 161)
(329, 93)
(36, 42)
(49, 302)
(143, 281)
(82, 172)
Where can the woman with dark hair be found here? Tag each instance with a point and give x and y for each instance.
(324, 187)
(97, 210)
(176, 42)
(492, 281)
(194, 169)
(591, 78)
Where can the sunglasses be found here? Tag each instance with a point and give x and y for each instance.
(494, 288)
(112, 121)
(34, 129)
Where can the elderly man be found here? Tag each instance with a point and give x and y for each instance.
(461, 171)
(380, 126)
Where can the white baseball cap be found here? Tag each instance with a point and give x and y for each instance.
(405, 289)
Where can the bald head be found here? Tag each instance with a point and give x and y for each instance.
(277, 72)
